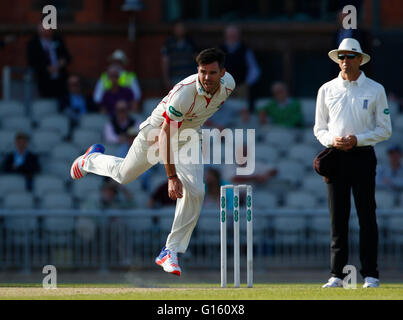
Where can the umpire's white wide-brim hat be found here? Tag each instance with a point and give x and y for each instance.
(349, 44)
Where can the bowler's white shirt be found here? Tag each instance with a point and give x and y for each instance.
(355, 108)
(189, 104)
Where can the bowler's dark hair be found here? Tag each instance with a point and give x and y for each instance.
(211, 55)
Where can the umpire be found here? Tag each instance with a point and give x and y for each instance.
(352, 115)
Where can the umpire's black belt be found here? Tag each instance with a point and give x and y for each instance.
(358, 149)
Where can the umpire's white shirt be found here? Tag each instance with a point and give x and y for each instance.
(355, 108)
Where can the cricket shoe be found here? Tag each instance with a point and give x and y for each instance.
(168, 260)
(370, 282)
(333, 282)
(77, 168)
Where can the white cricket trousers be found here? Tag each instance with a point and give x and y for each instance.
(135, 163)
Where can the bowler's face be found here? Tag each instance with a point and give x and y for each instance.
(210, 76)
(349, 65)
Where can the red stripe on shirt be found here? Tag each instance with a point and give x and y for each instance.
(168, 119)
(193, 104)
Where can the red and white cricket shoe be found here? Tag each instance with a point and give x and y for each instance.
(168, 260)
(76, 171)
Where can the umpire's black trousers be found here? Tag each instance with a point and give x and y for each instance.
(355, 171)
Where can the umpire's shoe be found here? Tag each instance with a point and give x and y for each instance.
(333, 282)
(77, 171)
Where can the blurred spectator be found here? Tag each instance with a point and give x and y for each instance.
(48, 56)
(241, 63)
(7, 40)
(160, 197)
(390, 176)
(130, 134)
(116, 128)
(116, 93)
(75, 103)
(282, 109)
(22, 161)
(126, 79)
(246, 120)
(395, 103)
(113, 196)
(178, 56)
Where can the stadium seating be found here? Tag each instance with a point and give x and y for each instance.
(81, 188)
(56, 122)
(384, 199)
(266, 153)
(45, 183)
(264, 200)
(280, 137)
(94, 121)
(59, 168)
(58, 230)
(381, 152)
(149, 105)
(140, 223)
(56, 200)
(18, 200)
(44, 140)
(43, 107)
(289, 230)
(291, 171)
(320, 228)
(308, 106)
(314, 184)
(398, 122)
(83, 138)
(302, 153)
(395, 227)
(7, 138)
(300, 200)
(49, 131)
(140, 198)
(11, 183)
(21, 224)
(64, 151)
(11, 108)
(17, 123)
(111, 149)
(165, 224)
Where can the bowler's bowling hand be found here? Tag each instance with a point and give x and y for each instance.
(175, 188)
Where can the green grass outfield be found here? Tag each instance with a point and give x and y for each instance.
(267, 291)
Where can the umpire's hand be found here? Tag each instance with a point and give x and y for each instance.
(175, 188)
(345, 143)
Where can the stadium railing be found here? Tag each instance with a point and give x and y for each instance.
(115, 239)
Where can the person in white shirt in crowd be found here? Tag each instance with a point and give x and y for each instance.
(187, 106)
(352, 115)
(390, 176)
